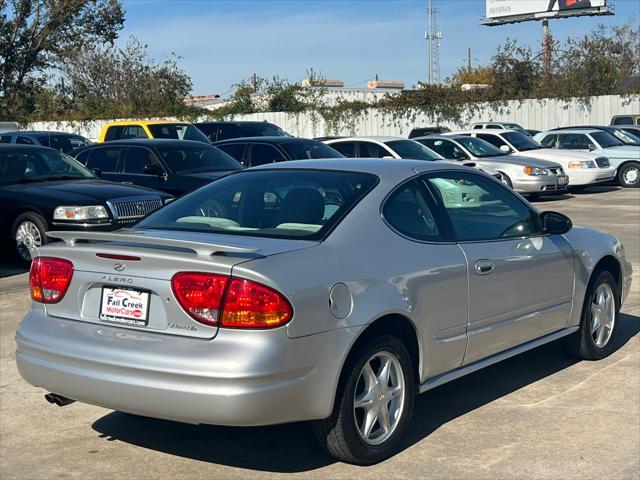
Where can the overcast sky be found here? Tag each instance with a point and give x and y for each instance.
(224, 41)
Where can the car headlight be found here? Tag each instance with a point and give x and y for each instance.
(583, 164)
(90, 212)
(535, 171)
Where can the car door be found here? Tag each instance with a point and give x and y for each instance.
(520, 280)
(436, 285)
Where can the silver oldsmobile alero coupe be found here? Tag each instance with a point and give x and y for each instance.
(323, 290)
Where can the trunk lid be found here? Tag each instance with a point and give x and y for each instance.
(138, 265)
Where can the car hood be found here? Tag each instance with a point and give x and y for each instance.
(623, 151)
(82, 191)
(555, 155)
(521, 161)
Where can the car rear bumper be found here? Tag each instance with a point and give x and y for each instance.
(240, 378)
(589, 176)
(543, 184)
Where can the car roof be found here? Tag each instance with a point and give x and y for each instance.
(38, 132)
(373, 138)
(484, 132)
(237, 122)
(453, 136)
(145, 122)
(575, 130)
(266, 139)
(378, 166)
(11, 146)
(148, 142)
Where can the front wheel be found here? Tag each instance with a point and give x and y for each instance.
(629, 175)
(373, 404)
(28, 233)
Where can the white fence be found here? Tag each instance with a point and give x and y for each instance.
(538, 114)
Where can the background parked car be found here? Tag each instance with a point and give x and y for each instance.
(423, 131)
(41, 189)
(629, 119)
(525, 175)
(499, 126)
(173, 166)
(583, 168)
(628, 138)
(151, 129)
(254, 151)
(218, 131)
(61, 141)
(626, 158)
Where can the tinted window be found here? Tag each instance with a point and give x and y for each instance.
(137, 158)
(549, 141)
(83, 156)
(263, 129)
(477, 127)
(345, 148)
(5, 139)
(479, 147)
(521, 141)
(114, 133)
(236, 150)
(411, 149)
(624, 136)
(372, 150)
(268, 203)
(62, 143)
(106, 159)
(445, 148)
(494, 127)
(494, 140)
(193, 159)
(305, 149)
(228, 130)
(262, 153)
(177, 131)
(480, 209)
(133, 131)
(407, 212)
(39, 165)
(24, 141)
(623, 121)
(209, 129)
(574, 141)
(605, 139)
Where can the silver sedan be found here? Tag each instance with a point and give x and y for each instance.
(322, 290)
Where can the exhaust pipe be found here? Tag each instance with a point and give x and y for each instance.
(58, 400)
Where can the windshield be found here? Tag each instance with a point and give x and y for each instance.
(262, 129)
(177, 131)
(304, 150)
(39, 165)
(410, 149)
(625, 137)
(479, 148)
(282, 203)
(605, 139)
(514, 126)
(63, 142)
(191, 159)
(521, 141)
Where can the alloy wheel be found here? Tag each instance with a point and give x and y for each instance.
(28, 236)
(603, 315)
(631, 175)
(379, 398)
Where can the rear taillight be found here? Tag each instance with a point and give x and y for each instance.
(200, 294)
(230, 302)
(250, 305)
(49, 279)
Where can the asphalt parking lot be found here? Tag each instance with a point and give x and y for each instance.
(539, 415)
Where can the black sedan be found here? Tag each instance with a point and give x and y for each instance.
(173, 166)
(254, 151)
(42, 189)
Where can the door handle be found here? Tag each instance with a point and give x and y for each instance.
(483, 267)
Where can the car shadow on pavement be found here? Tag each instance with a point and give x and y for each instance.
(291, 448)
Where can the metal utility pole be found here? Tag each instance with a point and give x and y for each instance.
(433, 36)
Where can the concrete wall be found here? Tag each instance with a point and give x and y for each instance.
(538, 114)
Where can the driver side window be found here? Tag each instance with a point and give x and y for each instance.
(481, 209)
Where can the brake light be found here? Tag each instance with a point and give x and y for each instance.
(250, 305)
(200, 294)
(230, 302)
(49, 279)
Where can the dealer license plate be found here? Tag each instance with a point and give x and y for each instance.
(125, 305)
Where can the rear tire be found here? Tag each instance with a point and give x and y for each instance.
(358, 400)
(28, 231)
(629, 175)
(593, 341)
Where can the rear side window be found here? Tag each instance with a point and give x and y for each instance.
(494, 127)
(345, 148)
(227, 130)
(114, 133)
(278, 203)
(82, 157)
(262, 153)
(574, 141)
(133, 131)
(236, 150)
(24, 141)
(623, 121)
(372, 150)
(138, 158)
(407, 211)
(477, 127)
(106, 159)
(209, 129)
(5, 139)
(549, 141)
(306, 149)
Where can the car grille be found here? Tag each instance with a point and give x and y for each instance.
(557, 171)
(602, 162)
(130, 211)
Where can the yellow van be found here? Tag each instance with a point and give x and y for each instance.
(127, 130)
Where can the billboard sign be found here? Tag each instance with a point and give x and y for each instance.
(537, 9)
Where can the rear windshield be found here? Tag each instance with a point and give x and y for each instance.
(304, 150)
(262, 130)
(521, 141)
(63, 143)
(413, 150)
(283, 203)
(194, 159)
(177, 131)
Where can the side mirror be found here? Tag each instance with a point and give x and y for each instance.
(505, 148)
(153, 169)
(97, 172)
(555, 223)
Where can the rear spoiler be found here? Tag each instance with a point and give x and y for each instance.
(199, 248)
